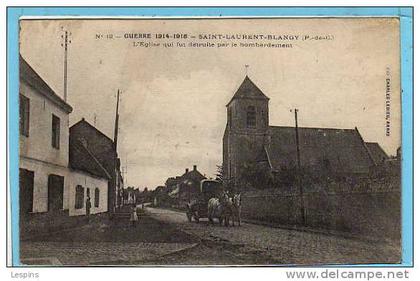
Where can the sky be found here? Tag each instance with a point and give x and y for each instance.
(173, 102)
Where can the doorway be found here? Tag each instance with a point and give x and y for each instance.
(26, 191)
(55, 193)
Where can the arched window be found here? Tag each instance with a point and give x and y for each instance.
(251, 118)
(96, 197)
(80, 194)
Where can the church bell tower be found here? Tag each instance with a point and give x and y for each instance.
(246, 128)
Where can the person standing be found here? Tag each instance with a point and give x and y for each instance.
(133, 217)
(88, 206)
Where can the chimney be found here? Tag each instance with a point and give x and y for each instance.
(195, 167)
(186, 170)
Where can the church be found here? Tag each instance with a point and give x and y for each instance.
(249, 138)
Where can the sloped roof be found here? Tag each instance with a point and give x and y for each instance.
(248, 90)
(100, 145)
(82, 159)
(29, 75)
(194, 175)
(376, 151)
(342, 150)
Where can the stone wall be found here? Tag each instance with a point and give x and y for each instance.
(373, 211)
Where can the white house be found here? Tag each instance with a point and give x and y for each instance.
(46, 183)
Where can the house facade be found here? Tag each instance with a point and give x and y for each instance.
(102, 150)
(49, 180)
(249, 138)
(43, 145)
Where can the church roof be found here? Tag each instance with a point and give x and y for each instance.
(378, 154)
(248, 90)
(342, 150)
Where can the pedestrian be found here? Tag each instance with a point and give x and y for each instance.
(133, 217)
(88, 206)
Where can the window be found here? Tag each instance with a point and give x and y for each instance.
(24, 115)
(251, 119)
(55, 140)
(96, 197)
(78, 203)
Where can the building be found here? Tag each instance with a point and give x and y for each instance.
(184, 188)
(131, 195)
(89, 179)
(378, 154)
(57, 171)
(102, 148)
(249, 138)
(43, 145)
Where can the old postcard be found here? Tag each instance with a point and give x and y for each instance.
(210, 141)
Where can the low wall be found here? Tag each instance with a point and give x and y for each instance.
(374, 213)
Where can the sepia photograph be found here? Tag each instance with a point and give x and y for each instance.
(225, 141)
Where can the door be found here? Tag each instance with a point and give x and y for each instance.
(26, 191)
(55, 192)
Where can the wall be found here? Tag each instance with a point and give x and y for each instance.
(41, 172)
(91, 182)
(38, 144)
(375, 212)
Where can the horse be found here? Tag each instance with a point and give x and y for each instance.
(236, 209)
(220, 209)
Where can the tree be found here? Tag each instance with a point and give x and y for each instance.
(256, 176)
(223, 179)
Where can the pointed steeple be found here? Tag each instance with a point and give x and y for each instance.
(248, 90)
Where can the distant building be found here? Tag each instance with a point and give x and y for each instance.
(249, 138)
(186, 187)
(102, 148)
(130, 195)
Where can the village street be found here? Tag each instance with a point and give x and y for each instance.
(165, 237)
(281, 246)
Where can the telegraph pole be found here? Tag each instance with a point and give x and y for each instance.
(302, 206)
(116, 171)
(66, 40)
(117, 116)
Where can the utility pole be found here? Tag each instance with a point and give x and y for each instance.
(302, 206)
(116, 168)
(117, 116)
(66, 40)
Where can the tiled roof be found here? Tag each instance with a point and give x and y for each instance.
(100, 145)
(82, 159)
(378, 154)
(342, 150)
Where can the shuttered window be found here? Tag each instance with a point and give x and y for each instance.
(55, 136)
(251, 118)
(24, 108)
(79, 197)
(96, 197)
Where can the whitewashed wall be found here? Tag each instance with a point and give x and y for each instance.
(91, 182)
(38, 144)
(41, 172)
